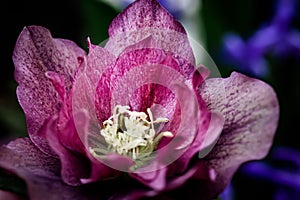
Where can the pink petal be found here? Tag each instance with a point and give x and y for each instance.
(145, 18)
(71, 145)
(21, 155)
(138, 68)
(41, 173)
(210, 127)
(68, 135)
(144, 13)
(36, 52)
(251, 113)
(58, 82)
(178, 146)
(197, 171)
(93, 71)
(111, 89)
(74, 166)
(77, 167)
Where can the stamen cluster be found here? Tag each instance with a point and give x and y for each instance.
(132, 133)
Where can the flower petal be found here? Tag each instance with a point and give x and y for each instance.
(41, 173)
(78, 166)
(74, 166)
(21, 155)
(142, 67)
(197, 171)
(85, 90)
(141, 14)
(209, 129)
(251, 115)
(209, 125)
(145, 18)
(178, 146)
(153, 179)
(35, 53)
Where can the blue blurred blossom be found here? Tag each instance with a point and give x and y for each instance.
(276, 37)
(228, 193)
(285, 178)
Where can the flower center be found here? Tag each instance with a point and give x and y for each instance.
(132, 133)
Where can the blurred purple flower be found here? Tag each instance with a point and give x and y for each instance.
(81, 130)
(277, 38)
(228, 193)
(285, 178)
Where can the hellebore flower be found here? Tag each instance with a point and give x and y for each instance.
(135, 118)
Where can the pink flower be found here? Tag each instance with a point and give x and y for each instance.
(135, 118)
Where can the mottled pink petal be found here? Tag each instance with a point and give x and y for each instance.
(210, 127)
(178, 146)
(93, 71)
(145, 18)
(41, 173)
(142, 67)
(74, 166)
(210, 123)
(141, 14)
(21, 155)
(251, 114)
(58, 83)
(35, 53)
(204, 141)
(68, 135)
(111, 86)
(152, 81)
(212, 134)
(78, 165)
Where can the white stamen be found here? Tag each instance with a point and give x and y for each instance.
(129, 133)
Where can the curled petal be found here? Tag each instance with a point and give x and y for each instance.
(153, 179)
(74, 166)
(85, 91)
(35, 53)
(77, 167)
(251, 113)
(209, 129)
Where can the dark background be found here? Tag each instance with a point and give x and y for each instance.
(78, 19)
(70, 19)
